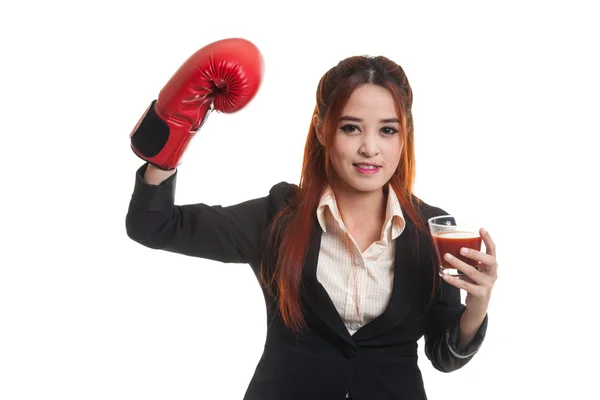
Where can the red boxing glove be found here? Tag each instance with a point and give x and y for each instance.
(222, 76)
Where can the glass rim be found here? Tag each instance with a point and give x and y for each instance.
(467, 225)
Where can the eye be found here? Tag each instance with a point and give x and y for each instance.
(389, 131)
(349, 128)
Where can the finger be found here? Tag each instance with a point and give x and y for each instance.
(476, 255)
(486, 263)
(490, 246)
(464, 284)
(478, 277)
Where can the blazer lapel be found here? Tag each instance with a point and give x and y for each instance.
(405, 280)
(315, 295)
(401, 300)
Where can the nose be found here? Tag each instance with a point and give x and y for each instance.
(369, 146)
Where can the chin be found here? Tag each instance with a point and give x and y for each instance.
(366, 186)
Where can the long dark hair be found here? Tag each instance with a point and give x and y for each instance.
(291, 228)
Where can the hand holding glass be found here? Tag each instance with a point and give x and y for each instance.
(448, 237)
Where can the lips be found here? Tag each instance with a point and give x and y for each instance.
(366, 165)
(363, 168)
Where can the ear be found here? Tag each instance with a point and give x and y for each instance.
(318, 129)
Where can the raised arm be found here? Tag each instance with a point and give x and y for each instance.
(223, 76)
(227, 234)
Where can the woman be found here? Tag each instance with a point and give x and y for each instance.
(345, 259)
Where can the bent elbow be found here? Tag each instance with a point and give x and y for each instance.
(141, 232)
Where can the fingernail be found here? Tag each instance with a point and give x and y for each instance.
(447, 256)
(464, 251)
(484, 231)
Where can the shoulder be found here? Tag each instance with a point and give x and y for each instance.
(283, 190)
(282, 194)
(428, 210)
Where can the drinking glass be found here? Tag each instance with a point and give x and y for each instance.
(449, 237)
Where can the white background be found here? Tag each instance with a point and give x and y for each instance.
(506, 123)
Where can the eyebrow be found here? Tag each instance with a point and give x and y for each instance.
(354, 119)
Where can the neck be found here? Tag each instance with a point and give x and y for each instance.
(361, 208)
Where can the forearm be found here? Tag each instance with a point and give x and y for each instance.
(470, 322)
(150, 214)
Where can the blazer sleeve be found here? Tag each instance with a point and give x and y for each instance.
(230, 234)
(443, 331)
(442, 334)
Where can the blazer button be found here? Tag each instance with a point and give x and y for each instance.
(347, 351)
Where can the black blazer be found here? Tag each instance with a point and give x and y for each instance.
(378, 362)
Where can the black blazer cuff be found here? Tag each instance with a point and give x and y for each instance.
(452, 336)
(153, 197)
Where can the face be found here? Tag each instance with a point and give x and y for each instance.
(367, 146)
